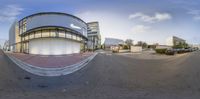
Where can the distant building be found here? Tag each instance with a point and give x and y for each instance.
(196, 46)
(172, 41)
(94, 37)
(110, 42)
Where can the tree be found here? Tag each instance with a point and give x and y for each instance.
(143, 44)
(129, 43)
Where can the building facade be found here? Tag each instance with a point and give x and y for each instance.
(94, 37)
(172, 41)
(48, 33)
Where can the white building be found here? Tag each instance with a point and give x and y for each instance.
(94, 37)
(172, 41)
(48, 33)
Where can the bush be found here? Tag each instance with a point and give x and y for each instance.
(125, 46)
(160, 51)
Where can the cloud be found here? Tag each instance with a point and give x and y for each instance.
(10, 12)
(195, 13)
(151, 19)
(111, 24)
(140, 29)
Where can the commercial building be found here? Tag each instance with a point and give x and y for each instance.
(172, 41)
(94, 37)
(48, 33)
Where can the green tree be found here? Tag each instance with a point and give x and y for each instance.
(129, 43)
(143, 44)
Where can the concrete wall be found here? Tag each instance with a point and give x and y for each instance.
(53, 46)
(136, 48)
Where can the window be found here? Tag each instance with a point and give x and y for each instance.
(74, 37)
(68, 35)
(26, 37)
(45, 33)
(62, 33)
(31, 36)
(38, 34)
(78, 38)
(52, 33)
(23, 38)
(24, 25)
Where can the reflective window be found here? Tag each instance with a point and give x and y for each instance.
(68, 35)
(26, 37)
(45, 33)
(38, 34)
(52, 33)
(78, 38)
(31, 36)
(62, 33)
(74, 37)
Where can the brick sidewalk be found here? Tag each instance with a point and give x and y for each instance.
(51, 61)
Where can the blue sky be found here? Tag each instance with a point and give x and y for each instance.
(147, 20)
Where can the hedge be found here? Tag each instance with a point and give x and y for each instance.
(161, 51)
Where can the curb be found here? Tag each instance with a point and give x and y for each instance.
(40, 71)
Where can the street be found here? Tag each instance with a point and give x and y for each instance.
(108, 76)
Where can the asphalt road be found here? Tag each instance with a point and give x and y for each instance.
(108, 76)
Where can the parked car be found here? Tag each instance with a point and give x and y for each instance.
(181, 50)
(170, 52)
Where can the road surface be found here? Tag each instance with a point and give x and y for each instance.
(108, 76)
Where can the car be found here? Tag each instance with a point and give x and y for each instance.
(170, 52)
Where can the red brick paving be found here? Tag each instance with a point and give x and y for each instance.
(51, 61)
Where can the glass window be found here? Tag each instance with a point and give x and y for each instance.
(31, 36)
(38, 34)
(24, 25)
(62, 33)
(78, 38)
(74, 37)
(68, 35)
(52, 33)
(45, 33)
(26, 37)
(20, 30)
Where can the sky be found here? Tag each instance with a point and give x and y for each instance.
(152, 21)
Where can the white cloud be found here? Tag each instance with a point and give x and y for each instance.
(195, 14)
(140, 29)
(111, 24)
(151, 19)
(9, 13)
